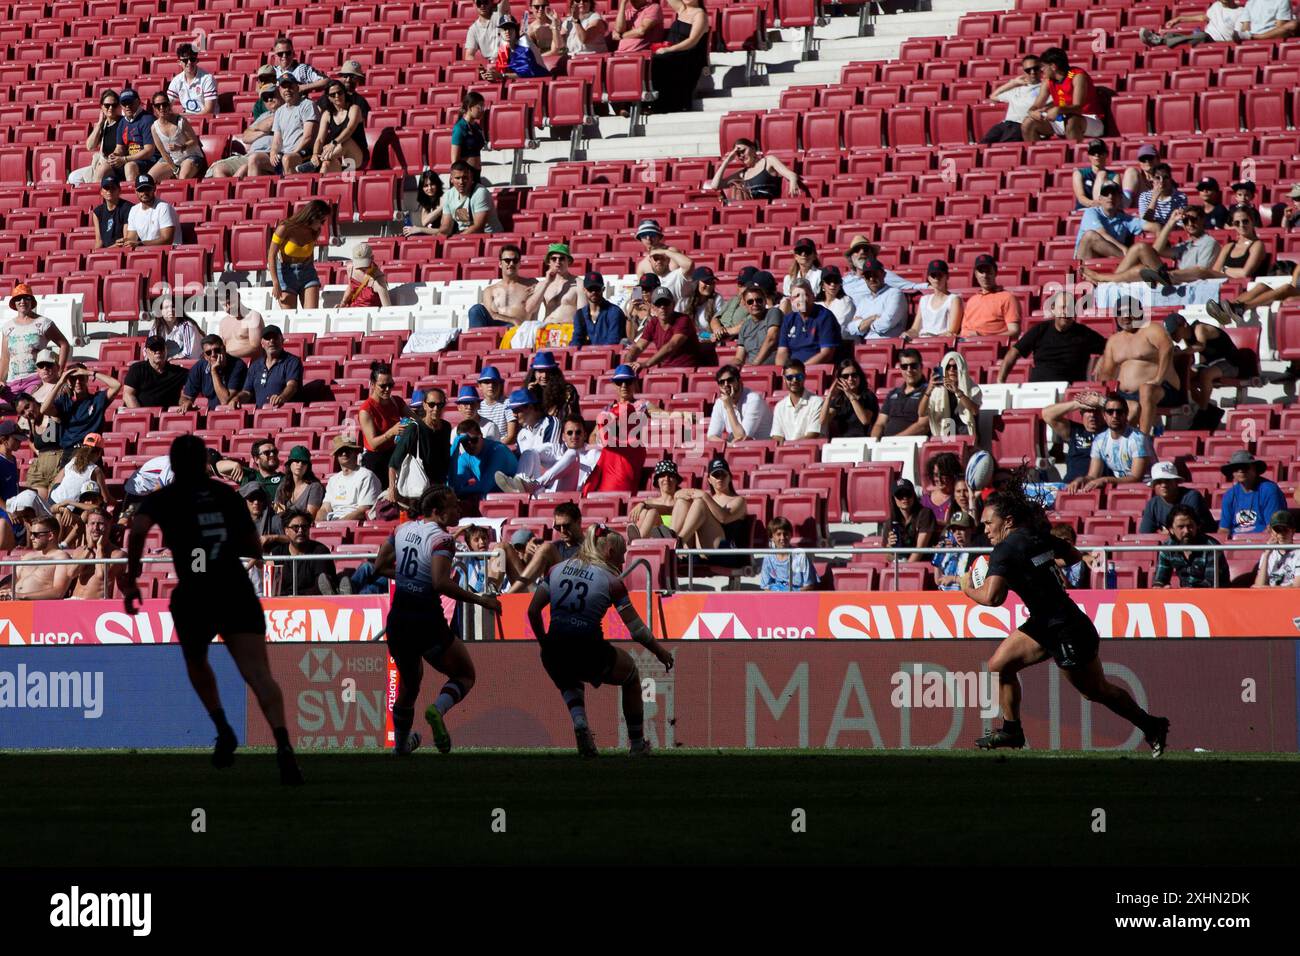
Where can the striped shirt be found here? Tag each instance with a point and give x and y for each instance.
(1164, 206)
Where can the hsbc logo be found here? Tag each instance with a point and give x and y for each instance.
(10, 635)
(320, 665)
(716, 625)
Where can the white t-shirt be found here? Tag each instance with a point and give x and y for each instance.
(755, 416)
(148, 223)
(344, 494)
(194, 95)
(674, 282)
(792, 422)
(814, 278)
(934, 319)
(576, 47)
(1019, 100)
(1282, 568)
(1223, 21)
(25, 342)
(153, 474)
(842, 308)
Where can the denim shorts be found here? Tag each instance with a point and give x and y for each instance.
(296, 277)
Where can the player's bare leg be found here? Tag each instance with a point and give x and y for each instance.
(249, 653)
(1013, 655)
(455, 662)
(628, 677)
(1090, 680)
(204, 682)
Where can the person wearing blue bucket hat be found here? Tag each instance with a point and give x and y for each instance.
(494, 408)
(539, 439)
(469, 402)
(557, 397)
(544, 361)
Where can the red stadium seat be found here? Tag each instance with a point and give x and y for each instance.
(870, 490)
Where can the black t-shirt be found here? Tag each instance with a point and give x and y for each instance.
(922, 520)
(306, 572)
(210, 518)
(1217, 217)
(902, 409)
(1028, 564)
(1060, 356)
(1078, 452)
(844, 420)
(111, 223)
(156, 389)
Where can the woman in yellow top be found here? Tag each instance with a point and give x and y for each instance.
(289, 259)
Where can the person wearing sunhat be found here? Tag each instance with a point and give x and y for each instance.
(468, 401)
(668, 340)
(1277, 568)
(352, 490)
(352, 76)
(557, 396)
(671, 265)
(494, 406)
(110, 215)
(367, 287)
(598, 321)
(539, 438)
(1252, 499)
(23, 337)
(860, 251)
(555, 296)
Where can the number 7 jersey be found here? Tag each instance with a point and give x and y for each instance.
(581, 594)
(415, 544)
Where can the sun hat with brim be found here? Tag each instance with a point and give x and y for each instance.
(343, 441)
(21, 291)
(520, 398)
(352, 68)
(300, 453)
(1164, 471)
(858, 242)
(1295, 191)
(666, 467)
(560, 249)
(625, 373)
(489, 374)
(544, 362)
(1243, 459)
(468, 395)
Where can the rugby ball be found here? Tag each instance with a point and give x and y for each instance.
(979, 470)
(979, 570)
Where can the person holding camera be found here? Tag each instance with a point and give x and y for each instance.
(584, 30)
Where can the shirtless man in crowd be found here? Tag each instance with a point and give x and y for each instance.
(556, 293)
(241, 329)
(672, 266)
(1141, 357)
(93, 581)
(45, 582)
(505, 301)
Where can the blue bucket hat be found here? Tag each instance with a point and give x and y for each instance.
(520, 397)
(468, 395)
(625, 373)
(489, 374)
(417, 398)
(544, 362)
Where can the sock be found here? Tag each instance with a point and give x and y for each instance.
(219, 720)
(403, 717)
(451, 695)
(635, 731)
(576, 703)
(281, 738)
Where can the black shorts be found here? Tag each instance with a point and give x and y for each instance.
(578, 657)
(414, 634)
(1071, 643)
(227, 608)
(1170, 397)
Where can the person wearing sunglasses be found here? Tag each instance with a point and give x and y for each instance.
(850, 408)
(879, 311)
(101, 143)
(275, 377)
(1137, 178)
(47, 582)
(428, 440)
(554, 297)
(901, 412)
(484, 35)
(217, 376)
(351, 490)
(285, 63)
(151, 222)
(1067, 103)
(1106, 231)
(134, 152)
(1245, 257)
(1088, 180)
(381, 418)
(799, 414)
(759, 331)
(504, 301)
(541, 25)
(341, 138)
(1019, 93)
(1122, 449)
(303, 578)
(153, 382)
(193, 90)
(740, 413)
(572, 469)
(300, 490)
(584, 30)
(1145, 262)
(293, 132)
(475, 462)
(670, 265)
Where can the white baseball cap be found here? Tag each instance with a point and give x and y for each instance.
(1165, 471)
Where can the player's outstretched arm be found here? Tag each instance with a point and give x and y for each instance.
(141, 524)
(641, 634)
(444, 583)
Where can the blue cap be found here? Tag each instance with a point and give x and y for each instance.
(489, 374)
(544, 361)
(520, 397)
(625, 373)
(110, 182)
(468, 395)
(417, 398)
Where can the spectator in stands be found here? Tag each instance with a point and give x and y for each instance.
(101, 144)
(1195, 569)
(381, 417)
(467, 136)
(555, 294)
(1106, 230)
(475, 461)
(353, 76)
(1019, 93)
(1244, 195)
(584, 30)
(850, 407)
(352, 490)
(952, 404)
(290, 257)
(257, 138)
(1278, 568)
(702, 301)
(990, 309)
(1061, 347)
(880, 310)
(945, 469)
(570, 471)
(428, 438)
(558, 398)
(1078, 437)
(265, 79)
(273, 379)
(269, 526)
(861, 251)
(1067, 105)
(599, 321)
(785, 572)
(1252, 499)
(23, 337)
(733, 311)
(515, 58)
(241, 328)
(1088, 180)
(476, 575)
(428, 211)
(300, 490)
(1215, 212)
(910, 525)
(43, 582)
(135, 150)
(1167, 492)
(293, 132)
(646, 29)
(367, 287)
(541, 556)
(1246, 257)
(157, 473)
(11, 439)
(652, 517)
(1220, 358)
(181, 332)
(754, 175)
(467, 207)
(1137, 179)
(300, 578)
(1078, 576)
(93, 579)
(670, 265)
(668, 340)
(286, 64)
(939, 312)
(153, 382)
(542, 28)
(44, 434)
(1164, 196)
(1123, 449)
(494, 407)
(484, 36)
(806, 265)
(468, 401)
(538, 439)
(340, 141)
(110, 216)
(739, 414)
(47, 373)
(1219, 25)
(951, 565)
(84, 465)
(810, 333)
(1287, 214)
(715, 517)
(1144, 261)
(180, 154)
(1142, 359)
(79, 412)
(504, 301)
(833, 297)
(192, 90)
(623, 445)
(151, 221)
(678, 62)
(759, 331)
(266, 467)
(902, 408)
(799, 414)
(1266, 20)
(218, 376)
(1257, 296)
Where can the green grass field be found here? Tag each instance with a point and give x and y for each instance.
(915, 807)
